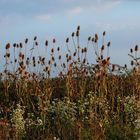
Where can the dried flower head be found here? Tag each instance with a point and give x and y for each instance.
(136, 48)
(7, 46)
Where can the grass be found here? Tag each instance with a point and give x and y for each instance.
(83, 101)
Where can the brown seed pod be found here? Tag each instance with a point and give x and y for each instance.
(89, 38)
(36, 43)
(74, 54)
(108, 44)
(78, 27)
(132, 63)
(96, 37)
(136, 48)
(14, 45)
(93, 39)
(72, 34)
(26, 40)
(131, 50)
(104, 33)
(7, 46)
(102, 48)
(59, 57)
(67, 55)
(52, 50)
(35, 38)
(54, 41)
(58, 49)
(77, 33)
(46, 43)
(67, 40)
(20, 44)
(55, 64)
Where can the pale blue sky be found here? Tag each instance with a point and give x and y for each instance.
(59, 18)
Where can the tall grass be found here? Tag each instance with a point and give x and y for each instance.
(83, 101)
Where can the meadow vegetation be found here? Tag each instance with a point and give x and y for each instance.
(84, 101)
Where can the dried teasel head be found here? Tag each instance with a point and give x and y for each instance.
(78, 27)
(59, 57)
(7, 46)
(92, 39)
(26, 40)
(73, 34)
(74, 54)
(35, 38)
(104, 33)
(89, 38)
(67, 40)
(108, 44)
(132, 63)
(113, 67)
(131, 50)
(136, 48)
(52, 50)
(20, 44)
(36, 43)
(96, 37)
(102, 48)
(46, 43)
(125, 66)
(14, 45)
(77, 33)
(54, 41)
(58, 49)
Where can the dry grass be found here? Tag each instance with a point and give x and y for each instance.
(84, 100)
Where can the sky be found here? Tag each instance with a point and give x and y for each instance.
(48, 19)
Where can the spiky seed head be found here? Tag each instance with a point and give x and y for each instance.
(77, 33)
(26, 40)
(64, 65)
(20, 44)
(59, 57)
(89, 38)
(92, 39)
(67, 55)
(35, 38)
(72, 34)
(74, 54)
(102, 57)
(54, 41)
(53, 59)
(85, 49)
(78, 27)
(125, 66)
(67, 40)
(108, 44)
(136, 48)
(132, 63)
(46, 43)
(36, 43)
(7, 46)
(131, 50)
(102, 48)
(58, 49)
(55, 64)
(52, 50)
(84, 61)
(113, 67)
(96, 37)
(104, 33)
(14, 45)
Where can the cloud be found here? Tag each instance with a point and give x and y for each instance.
(44, 17)
(76, 10)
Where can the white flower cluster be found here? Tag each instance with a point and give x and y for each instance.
(18, 120)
